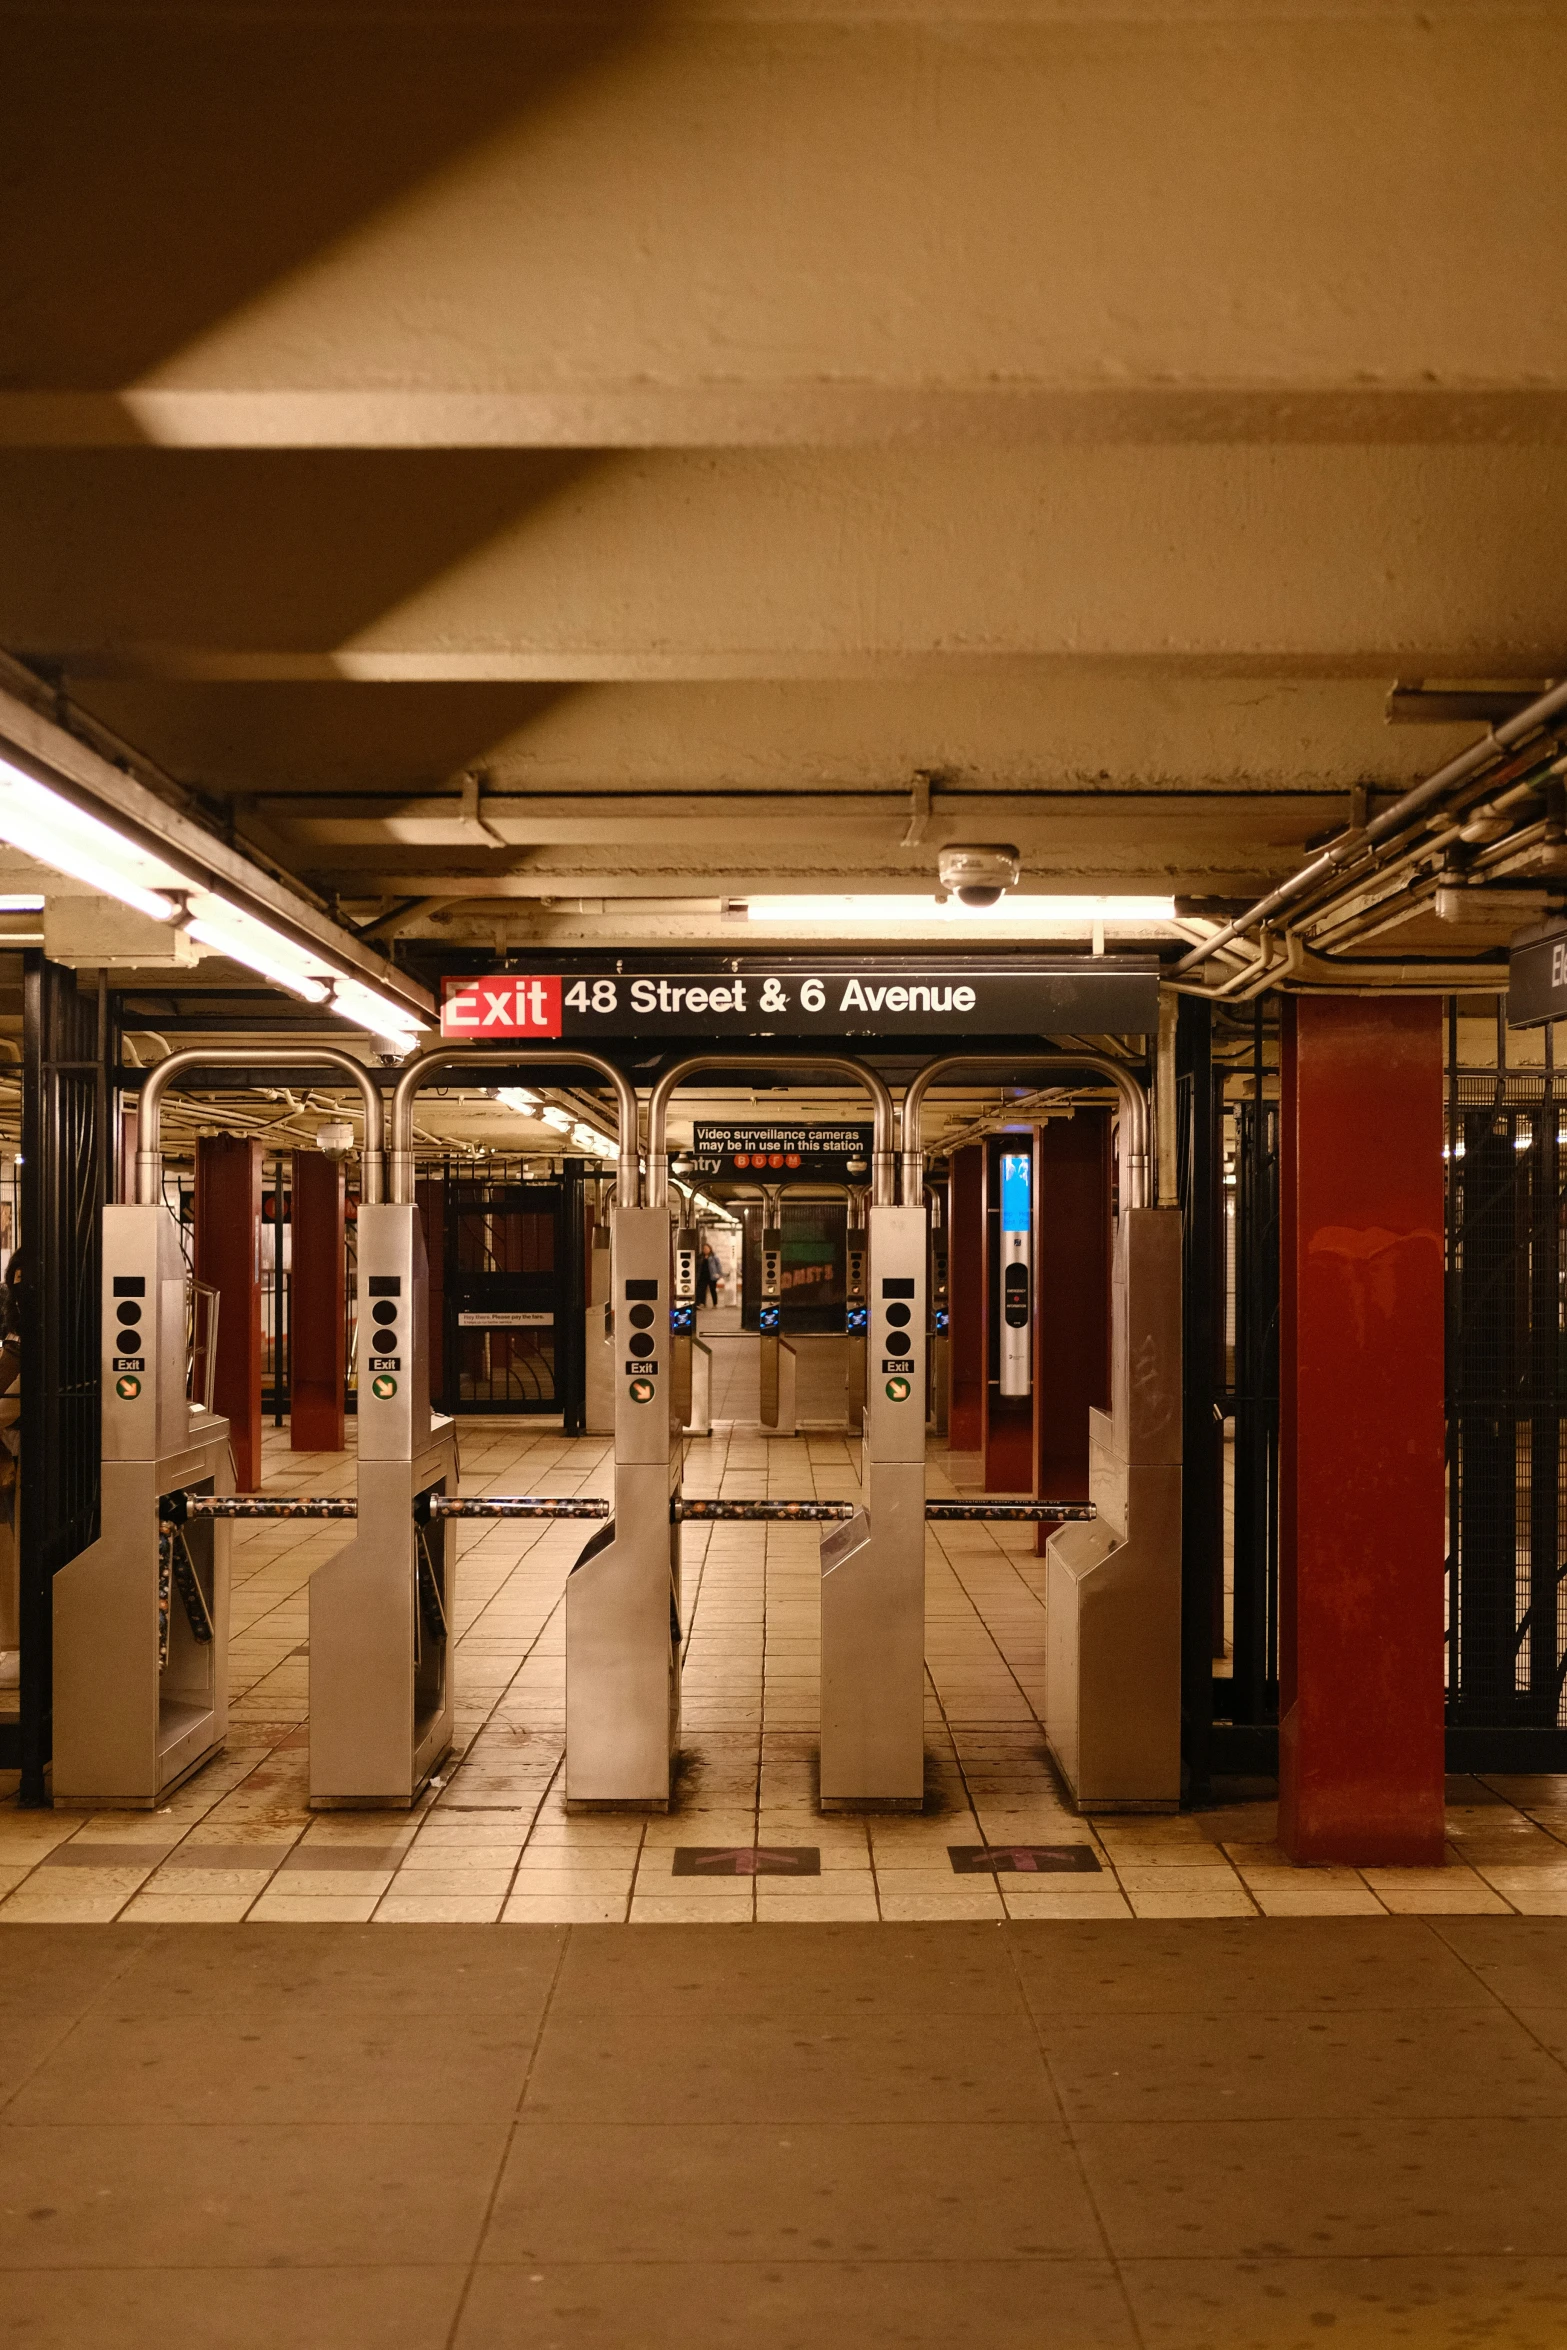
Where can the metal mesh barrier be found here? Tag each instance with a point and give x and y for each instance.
(1506, 1404)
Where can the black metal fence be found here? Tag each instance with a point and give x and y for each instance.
(1506, 1406)
(67, 1053)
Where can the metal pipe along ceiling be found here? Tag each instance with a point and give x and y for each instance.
(1134, 1103)
(462, 1058)
(834, 1064)
(1353, 849)
(149, 1131)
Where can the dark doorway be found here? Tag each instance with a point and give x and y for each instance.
(505, 1301)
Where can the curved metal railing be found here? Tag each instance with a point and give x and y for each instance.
(884, 1116)
(1134, 1103)
(149, 1129)
(463, 1057)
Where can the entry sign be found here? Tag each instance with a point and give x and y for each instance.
(1537, 977)
(957, 997)
(782, 1154)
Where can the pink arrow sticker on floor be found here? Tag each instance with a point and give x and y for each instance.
(1023, 1859)
(747, 1860)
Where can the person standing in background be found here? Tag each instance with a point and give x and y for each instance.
(709, 1273)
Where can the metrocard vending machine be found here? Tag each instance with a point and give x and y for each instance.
(1017, 1273)
(873, 1568)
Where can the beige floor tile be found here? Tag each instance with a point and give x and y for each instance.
(450, 1885)
(1531, 1897)
(587, 1884)
(565, 1909)
(412, 1909)
(35, 1905)
(964, 1904)
(186, 1909)
(649, 1909)
(1467, 1897)
(1140, 1877)
(1038, 1902)
(1204, 1901)
(1289, 1901)
(301, 1910)
(834, 1908)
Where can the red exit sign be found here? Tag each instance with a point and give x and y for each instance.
(492, 1008)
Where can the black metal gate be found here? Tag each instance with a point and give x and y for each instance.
(1227, 1138)
(67, 1040)
(503, 1302)
(1506, 1405)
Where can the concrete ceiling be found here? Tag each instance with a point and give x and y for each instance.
(559, 469)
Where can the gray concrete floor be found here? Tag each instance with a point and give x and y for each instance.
(1075, 2136)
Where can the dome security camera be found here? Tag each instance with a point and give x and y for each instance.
(335, 1138)
(978, 872)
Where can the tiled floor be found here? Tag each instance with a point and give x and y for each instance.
(493, 1841)
(1196, 2135)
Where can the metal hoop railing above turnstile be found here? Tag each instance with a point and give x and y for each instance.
(161, 1077)
(1134, 1105)
(884, 1117)
(464, 1057)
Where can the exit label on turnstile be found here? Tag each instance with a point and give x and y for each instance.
(383, 1386)
(899, 1390)
(642, 1390)
(127, 1389)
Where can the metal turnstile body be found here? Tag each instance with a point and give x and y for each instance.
(623, 1594)
(873, 1568)
(380, 1655)
(141, 1626)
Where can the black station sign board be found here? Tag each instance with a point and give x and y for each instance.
(783, 1154)
(955, 996)
(1537, 977)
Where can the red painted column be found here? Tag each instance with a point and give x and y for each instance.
(966, 1300)
(317, 1335)
(228, 1256)
(1361, 1518)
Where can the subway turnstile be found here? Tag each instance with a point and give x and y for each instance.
(873, 1569)
(141, 1616)
(623, 1594)
(380, 1664)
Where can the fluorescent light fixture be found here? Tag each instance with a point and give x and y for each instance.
(20, 903)
(554, 1116)
(518, 1098)
(381, 1014)
(46, 826)
(1036, 911)
(228, 931)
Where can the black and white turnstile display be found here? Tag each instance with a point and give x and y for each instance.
(141, 1616)
(623, 1594)
(381, 1609)
(873, 1569)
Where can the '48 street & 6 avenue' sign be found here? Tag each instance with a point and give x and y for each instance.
(956, 997)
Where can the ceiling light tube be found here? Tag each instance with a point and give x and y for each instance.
(518, 1098)
(228, 931)
(59, 834)
(554, 1116)
(381, 1014)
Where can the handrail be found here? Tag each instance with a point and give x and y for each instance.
(1134, 1101)
(508, 1057)
(833, 1064)
(149, 1126)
